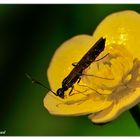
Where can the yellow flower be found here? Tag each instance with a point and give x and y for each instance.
(115, 82)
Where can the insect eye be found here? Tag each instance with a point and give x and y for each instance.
(60, 93)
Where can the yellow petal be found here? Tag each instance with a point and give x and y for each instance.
(116, 108)
(121, 28)
(68, 108)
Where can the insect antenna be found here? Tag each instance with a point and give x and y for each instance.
(34, 81)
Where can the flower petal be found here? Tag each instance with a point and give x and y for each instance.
(57, 106)
(121, 28)
(116, 109)
(123, 99)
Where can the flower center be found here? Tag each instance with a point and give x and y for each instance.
(106, 74)
(110, 78)
(113, 75)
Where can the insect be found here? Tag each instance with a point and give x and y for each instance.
(76, 73)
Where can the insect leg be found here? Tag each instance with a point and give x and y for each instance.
(79, 77)
(70, 93)
(91, 89)
(79, 80)
(72, 88)
(98, 76)
(102, 57)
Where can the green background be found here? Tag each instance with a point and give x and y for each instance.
(30, 34)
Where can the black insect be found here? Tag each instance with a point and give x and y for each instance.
(76, 73)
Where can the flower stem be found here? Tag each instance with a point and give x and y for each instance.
(135, 112)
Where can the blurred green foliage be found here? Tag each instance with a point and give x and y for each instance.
(30, 34)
